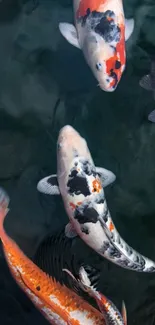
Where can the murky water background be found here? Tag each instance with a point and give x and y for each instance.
(45, 84)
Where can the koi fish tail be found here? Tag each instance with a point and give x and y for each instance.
(4, 202)
(120, 253)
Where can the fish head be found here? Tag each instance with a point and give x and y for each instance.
(70, 147)
(105, 58)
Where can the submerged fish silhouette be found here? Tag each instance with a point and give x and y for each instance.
(148, 83)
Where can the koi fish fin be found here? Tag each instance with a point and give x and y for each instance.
(69, 32)
(151, 116)
(50, 259)
(84, 277)
(49, 185)
(83, 282)
(86, 285)
(124, 313)
(4, 202)
(70, 232)
(76, 284)
(101, 300)
(145, 82)
(107, 177)
(129, 27)
(93, 274)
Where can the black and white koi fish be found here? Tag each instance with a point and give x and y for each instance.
(81, 186)
(100, 32)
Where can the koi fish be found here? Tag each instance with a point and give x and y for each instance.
(148, 82)
(81, 187)
(111, 314)
(100, 31)
(58, 304)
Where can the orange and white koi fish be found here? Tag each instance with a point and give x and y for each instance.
(81, 186)
(111, 314)
(58, 304)
(100, 32)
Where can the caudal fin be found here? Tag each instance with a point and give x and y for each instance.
(4, 202)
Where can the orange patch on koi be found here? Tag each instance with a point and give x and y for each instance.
(89, 4)
(110, 18)
(103, 300)
(118, 56)
(72, 205)
(97, 186)
(111, 226)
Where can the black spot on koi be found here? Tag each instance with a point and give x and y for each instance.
(88, 214)
(102, 23)
(77, 184)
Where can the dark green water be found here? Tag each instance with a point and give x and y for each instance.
(45, 84)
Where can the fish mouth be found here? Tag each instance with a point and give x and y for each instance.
(67, 132)
(107, 88)
(69, 140)
(67, 129)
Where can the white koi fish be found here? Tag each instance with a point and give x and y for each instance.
(81, 186)
(100, 32)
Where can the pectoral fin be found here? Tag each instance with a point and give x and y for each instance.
(70, 33)
(49, 185)
(151, 116)
(70, 232)
(107, 177)
(124, 313)
(145, 82)
(129, 27)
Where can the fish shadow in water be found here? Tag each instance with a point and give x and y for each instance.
(67, 68)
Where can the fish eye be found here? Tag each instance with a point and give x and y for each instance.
(99, 66)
